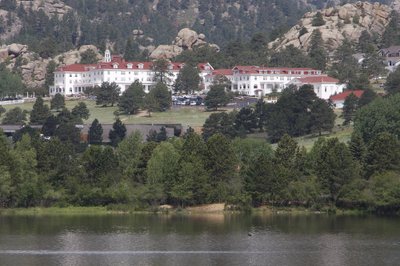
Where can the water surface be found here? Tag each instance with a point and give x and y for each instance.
(199, 240)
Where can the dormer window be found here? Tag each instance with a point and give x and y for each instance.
(140, 66)
(115, 65)
(129, 66)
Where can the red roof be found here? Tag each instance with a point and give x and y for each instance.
(342, 96)
(318, 79)
(258, 70)
(122, 64)
(225, 72)
(76, 68)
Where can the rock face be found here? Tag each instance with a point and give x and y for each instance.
(343, 22)
(33, 67)
(187, 39)
(50, 7)
(396, 5)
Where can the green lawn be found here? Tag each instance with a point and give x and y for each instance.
(187, 116)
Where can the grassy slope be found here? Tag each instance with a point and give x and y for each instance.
(187, 116)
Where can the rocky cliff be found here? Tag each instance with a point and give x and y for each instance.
(343, 22)
(49, 7)
(32, 67)
(187, 39)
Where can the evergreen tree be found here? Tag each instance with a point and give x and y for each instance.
(2, 110)
(132, 99)
(322, 116)
(246, 120)
(80, 111)
(334, 166)
(368, 96)
(221, 123)
(107, 93)
(358, 148)
(391, 36)
(383, 154)
(317, 51)
(15, 116)
(89, 57)
(40, 112)
(132, 50)
(50, 126)
(350, 106)
(188, 79)
(318, 20)
(162, 73)
(372, 64)
(221, 162)
(392, 84)
(95, 135)
(117, 133)
(129, 154)
(216, 97)
(68, 132)
(158, 99)
(57, 102)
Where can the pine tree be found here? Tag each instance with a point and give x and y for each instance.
(349, 108)
(95, 135)
(117, 133)
(57, 102)
(132, 99)
(188, 79)
(40, 112)
(317, 51)
(132, 50)
(318, 20)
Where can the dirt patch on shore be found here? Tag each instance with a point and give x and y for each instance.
(218, 207)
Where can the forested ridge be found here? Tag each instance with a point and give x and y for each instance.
(111, 22)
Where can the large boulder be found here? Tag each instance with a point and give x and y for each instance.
(16, 49)
(186, 39)
(166, 51)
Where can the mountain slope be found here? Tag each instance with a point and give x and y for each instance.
(339, 23)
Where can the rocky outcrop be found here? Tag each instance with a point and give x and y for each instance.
(50, 7)
(32, 67)
(187, 39)
(395, 5)
(343, 22)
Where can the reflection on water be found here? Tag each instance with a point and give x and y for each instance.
(199, 240)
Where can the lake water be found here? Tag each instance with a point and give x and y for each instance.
(199, 240)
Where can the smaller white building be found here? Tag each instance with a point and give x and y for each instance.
(324, 86)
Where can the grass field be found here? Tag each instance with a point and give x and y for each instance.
(187, 116)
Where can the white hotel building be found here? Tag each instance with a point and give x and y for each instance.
(260, 81)
(74, 79)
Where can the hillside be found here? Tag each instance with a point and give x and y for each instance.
(337, 24)
(62, 25)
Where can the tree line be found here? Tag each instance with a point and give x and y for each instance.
(361, 174)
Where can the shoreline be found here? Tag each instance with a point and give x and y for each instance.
(195, 211)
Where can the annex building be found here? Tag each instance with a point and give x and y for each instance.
(75, 79)
(260, 81)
